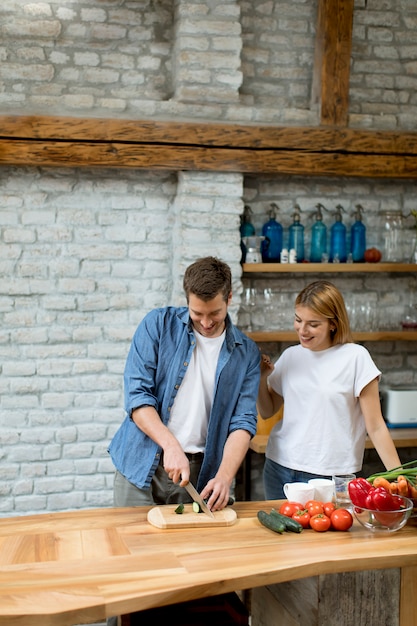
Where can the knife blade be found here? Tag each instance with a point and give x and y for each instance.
(197, 498)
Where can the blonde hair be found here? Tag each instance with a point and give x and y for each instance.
(325, 299)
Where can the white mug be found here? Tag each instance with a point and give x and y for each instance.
(323, 489)
(299, 492)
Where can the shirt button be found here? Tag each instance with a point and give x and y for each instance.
(177, 386)
(185, 363)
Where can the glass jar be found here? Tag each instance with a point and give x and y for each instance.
(392, 237)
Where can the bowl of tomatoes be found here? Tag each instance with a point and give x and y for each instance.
(385, 521)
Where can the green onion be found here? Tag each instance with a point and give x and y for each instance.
(408, 470)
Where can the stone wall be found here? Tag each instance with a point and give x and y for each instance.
(84, 254)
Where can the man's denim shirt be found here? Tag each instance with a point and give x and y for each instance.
(156, 364)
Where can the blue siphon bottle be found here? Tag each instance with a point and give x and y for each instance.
(318, 237)
(247, 229)
(358, 236)
(338, 251)
(272, 230)
(296, 235)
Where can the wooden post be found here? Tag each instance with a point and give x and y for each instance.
(330, 91)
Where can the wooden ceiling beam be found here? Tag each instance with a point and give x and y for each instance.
(205, 158)
(209, 134)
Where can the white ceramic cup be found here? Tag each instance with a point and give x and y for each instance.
(323, 489)
(299, 492)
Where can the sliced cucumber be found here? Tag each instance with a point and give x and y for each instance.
(180, 509)
(196, 507)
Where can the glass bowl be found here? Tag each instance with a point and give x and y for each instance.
(385, 521)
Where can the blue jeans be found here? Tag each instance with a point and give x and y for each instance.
(275, 476)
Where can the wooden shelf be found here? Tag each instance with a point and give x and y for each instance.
(307, 268)
(290, 335)
(402, 437)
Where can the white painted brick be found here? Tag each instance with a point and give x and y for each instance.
(209, 28)
(78, 102)
(45, 486)
(99, 75)
(66, 501)
(29, 72)
(93, 15)
(24, 454)
(86, 58)
(57, 401)
(8, 437)
(29, 504)
(22, 487)
(87, 467)
(43, 29)
(107, 32)
(77, 451)
(61, 467)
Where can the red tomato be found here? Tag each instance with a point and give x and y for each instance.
(341, 519)
(372, 255)
(314, 507)
(302, 517)
(328, 508)
(289, 508)
(320, 522)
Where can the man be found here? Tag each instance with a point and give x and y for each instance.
(191, 381)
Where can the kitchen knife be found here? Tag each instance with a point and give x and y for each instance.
(197, 498)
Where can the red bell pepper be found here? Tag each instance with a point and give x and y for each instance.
(359, 488)
(381, 500)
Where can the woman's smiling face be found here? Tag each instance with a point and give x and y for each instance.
(313, 330)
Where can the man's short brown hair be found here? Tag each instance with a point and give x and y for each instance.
(206, 278)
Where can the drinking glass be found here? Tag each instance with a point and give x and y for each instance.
(341, 482)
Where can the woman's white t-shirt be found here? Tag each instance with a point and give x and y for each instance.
(323, 429)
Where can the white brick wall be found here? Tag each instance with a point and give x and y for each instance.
(231, 60)
(84, 254)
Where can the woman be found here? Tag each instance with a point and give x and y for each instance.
(330, 387)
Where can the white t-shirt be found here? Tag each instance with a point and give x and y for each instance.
(192, 405)
(323, 429)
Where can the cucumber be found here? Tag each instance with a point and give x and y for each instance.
(196, 507)
(289, 523)
(180, 509)
(270, 522)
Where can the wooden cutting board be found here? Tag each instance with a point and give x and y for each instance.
(165, 517)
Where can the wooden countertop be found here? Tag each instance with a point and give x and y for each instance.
(78, 567)
(402, 437)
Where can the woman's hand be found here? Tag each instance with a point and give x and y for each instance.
(267, 366)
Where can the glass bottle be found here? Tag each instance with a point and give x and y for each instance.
(358, 237)
(272, 230)
(296, 235)
(318, 237)
(338, 251)
(247, 229)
